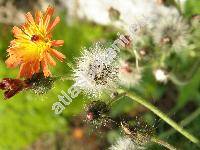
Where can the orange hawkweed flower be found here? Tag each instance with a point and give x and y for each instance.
(32, 46)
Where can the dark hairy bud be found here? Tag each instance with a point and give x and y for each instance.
(40, 84)
(95, 109)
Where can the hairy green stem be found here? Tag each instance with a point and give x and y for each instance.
(162, 116)
(64, 77)
(163, 143)
(183, 123)
(176, 81)
(116, 98)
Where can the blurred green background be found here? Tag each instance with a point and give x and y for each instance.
(27, 117)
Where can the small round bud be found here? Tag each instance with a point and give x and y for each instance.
(96, 109)
(143, 51)
(129, 76)
(166, 40)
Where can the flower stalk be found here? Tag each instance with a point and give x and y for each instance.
(162, 116)
(163, 143)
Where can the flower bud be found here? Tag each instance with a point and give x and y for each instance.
(96, 109)
(40, 84)
(160, 75)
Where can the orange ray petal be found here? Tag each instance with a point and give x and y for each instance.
(50, 60)
(29, 70)
(26, 70)
(22, 70)
(57, 54)
(49, 11)
(10, 50)
(49, 36)
(57, 43)
(45, 68)
(38, 16)
(29, 17)
(26, 29)
(16, 31)
(12, 62)
(47, 20)
(53, 24)
(36, 66)
(13, 42)
(47, 16)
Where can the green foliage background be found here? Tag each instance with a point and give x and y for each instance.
(26, 116)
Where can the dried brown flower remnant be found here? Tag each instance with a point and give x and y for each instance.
(38, 83)
(12, 86)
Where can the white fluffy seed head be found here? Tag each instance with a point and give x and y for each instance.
(96, 72)
(160, 75)
(172, 30)
(129, 76)
(125, 143)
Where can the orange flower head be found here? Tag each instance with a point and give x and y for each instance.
(32, 46)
